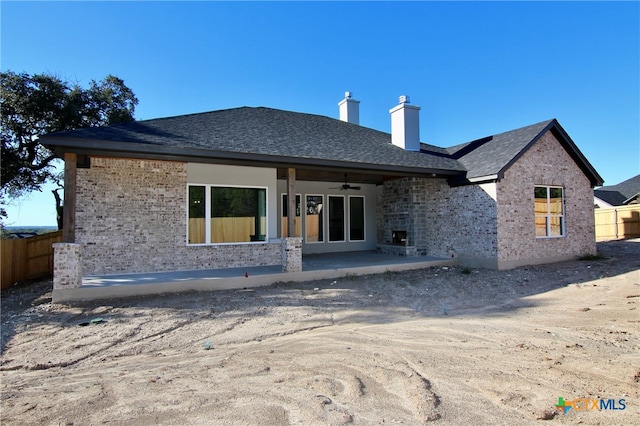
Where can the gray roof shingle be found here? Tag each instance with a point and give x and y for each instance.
(269, 133)
(273, 136)
(491, 155)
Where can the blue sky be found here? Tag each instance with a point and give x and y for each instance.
(475, 68)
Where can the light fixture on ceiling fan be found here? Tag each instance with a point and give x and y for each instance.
(346, 186)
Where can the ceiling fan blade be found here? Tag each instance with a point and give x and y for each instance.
(346, 185)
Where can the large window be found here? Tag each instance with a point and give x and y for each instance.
(235, 215)
(549, 211)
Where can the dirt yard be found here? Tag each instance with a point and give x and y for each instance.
(442, 345)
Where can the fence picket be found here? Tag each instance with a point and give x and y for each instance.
(27, 258)
(617, 222)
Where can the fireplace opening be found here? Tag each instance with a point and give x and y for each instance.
(399, 238)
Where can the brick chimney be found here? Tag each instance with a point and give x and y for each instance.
(405, 125)
(349, 109)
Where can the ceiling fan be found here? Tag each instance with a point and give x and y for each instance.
(346, 186)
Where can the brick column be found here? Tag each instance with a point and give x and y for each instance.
(67, 265)
(291, 254)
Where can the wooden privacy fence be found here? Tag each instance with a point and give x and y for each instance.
(225, 229)
(617, 222)
(27, 258)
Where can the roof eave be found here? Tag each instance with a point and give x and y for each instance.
(98, 148)
(476, 180)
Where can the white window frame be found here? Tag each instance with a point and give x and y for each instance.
(207, 214)
(364, 218)
(548, 215)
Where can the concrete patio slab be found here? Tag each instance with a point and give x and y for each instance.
(314, 267)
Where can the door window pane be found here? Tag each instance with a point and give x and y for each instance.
(313, 218)
(336, 218)
(356, 218)
(196, 225)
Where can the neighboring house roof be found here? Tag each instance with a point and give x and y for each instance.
(620, 194)
(284, 138)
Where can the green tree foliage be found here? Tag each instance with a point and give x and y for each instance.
(33, 105)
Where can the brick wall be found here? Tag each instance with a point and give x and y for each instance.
(463, 220)
(545, 163)
(67, 268)
(440, 220)
(131, 217)
(492, 225)
(397, 210)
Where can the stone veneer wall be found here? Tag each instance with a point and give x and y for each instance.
(401, 207)
(131, 217)
(441, 220)
(545, 163)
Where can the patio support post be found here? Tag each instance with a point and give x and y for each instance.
(291, 205)
(67, 265)
(292, 244)
(291, 254)
(69, 207)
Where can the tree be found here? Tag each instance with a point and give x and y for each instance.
(33, 105)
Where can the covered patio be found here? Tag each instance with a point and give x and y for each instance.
(314, 267)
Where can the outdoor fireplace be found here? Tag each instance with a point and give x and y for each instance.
(398, 246)
(399, 238)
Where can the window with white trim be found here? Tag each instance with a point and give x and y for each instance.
(226, 214)
(549, 211)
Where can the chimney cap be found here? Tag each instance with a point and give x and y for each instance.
(404, 99)
(348, 94)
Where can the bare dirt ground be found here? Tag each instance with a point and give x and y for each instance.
(442, 345)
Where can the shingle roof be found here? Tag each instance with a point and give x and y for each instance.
(616, 195)
(272, 136)
(269, 134)
(491, 156)
(612, 197)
